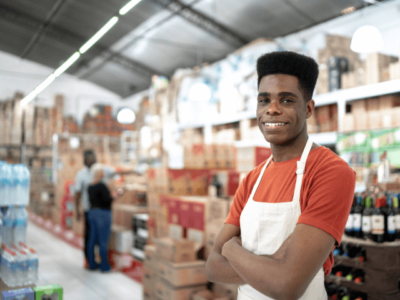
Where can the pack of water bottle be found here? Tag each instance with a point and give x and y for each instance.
(19, 265)
(13, 226)
(14, 184)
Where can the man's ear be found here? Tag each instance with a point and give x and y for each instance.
(310, 106)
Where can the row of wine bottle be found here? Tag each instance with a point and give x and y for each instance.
(348, 250)
(374, 217)
(349, 273)
(337, 292)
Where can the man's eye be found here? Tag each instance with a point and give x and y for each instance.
(287, 101)
(263, 100)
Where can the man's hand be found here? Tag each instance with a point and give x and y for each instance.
(233, 242)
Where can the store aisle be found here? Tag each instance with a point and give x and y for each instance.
(60, 263)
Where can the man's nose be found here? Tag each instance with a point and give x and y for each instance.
(273, 109)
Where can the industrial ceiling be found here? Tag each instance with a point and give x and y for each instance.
(155, 37)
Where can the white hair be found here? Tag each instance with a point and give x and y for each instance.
(95, 168)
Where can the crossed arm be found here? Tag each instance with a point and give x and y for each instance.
(285, 274)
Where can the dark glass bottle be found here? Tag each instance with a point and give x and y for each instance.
(349, 225)
(367, 220)
(390, 221)
(343, 293)
(396, 210)
(378, 223)
(357, 219)
(361, 254)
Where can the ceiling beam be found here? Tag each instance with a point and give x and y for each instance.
(204, 22)
(32, 43)
(73, 40)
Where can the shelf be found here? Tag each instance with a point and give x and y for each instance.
(360, 92)
(361, 242)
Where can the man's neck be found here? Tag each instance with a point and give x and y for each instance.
(290, 150)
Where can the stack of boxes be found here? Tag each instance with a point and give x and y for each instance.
(42, 198)
(213, 156)
(374, 113)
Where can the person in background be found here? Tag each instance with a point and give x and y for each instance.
(81, 196)
(99, 217)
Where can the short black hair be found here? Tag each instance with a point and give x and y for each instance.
(88, 153)
(290, 63)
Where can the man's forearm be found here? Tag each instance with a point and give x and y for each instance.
(219, 270)
(264, 273)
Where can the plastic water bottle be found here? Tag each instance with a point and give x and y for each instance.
(23, 267)
(9, 265)
(1, 230)
(7, 173)
(14, 184)
(20, 225)
(2, 183)
(33, 267)
(25, 179)
(8, 224)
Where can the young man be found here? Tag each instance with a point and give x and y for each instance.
(290, 211)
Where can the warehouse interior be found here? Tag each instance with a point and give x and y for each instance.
(164, 95)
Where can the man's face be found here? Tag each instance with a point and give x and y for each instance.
(90, 160)
(281, 109)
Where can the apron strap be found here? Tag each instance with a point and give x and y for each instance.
(300, 172)
(260, 177)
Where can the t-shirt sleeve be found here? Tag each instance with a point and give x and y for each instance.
(78, 184)
(329, 199)
(238, 204)
(109, 172)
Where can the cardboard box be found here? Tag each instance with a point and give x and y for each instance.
(359, 106)
(165, 291)
(198, 182)
(53, 290)
(348, 122)
(192, 212)
(183, 274)
(24, 294)
(361, 121)
(150, 256)
(374, 120)
(121, 239)
(175, 251)
(178, 181)
(250, 157)
(208, 295)
(148, 285)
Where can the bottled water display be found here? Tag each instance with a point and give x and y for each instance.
(14, 184)
(19, 266)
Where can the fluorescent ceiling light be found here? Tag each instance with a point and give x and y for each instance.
(67, 64)
(45, 83)
(28, 98)
(126, 116)
(366, 39)
(98, 35)
(128, 7)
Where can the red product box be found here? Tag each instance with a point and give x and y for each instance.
(192, 212)
(173, 211)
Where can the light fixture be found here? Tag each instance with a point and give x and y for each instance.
(126, 116)
(128, 7)
(348, 10)
(67, 64)
(98, 35)
(74, 142)
(199, 92)
(366, 39)
(38, 89)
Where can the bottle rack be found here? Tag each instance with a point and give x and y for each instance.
(381, 267)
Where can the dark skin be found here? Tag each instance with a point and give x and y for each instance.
(90, 161)
(286, 274)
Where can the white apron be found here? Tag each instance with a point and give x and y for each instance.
(265, 226)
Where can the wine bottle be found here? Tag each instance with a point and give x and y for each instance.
(357, 219)
(367, 220)
(397, 215)
(349, 224)
(362, 254)
(343, 293)
(378, 223)
(390, 221)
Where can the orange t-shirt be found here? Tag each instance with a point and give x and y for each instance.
(326, 192)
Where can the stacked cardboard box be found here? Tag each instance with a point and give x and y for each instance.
(377, 66)
(250, 157)
(42, 200)
(172, 271)
(201, 156)
(337, 46)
